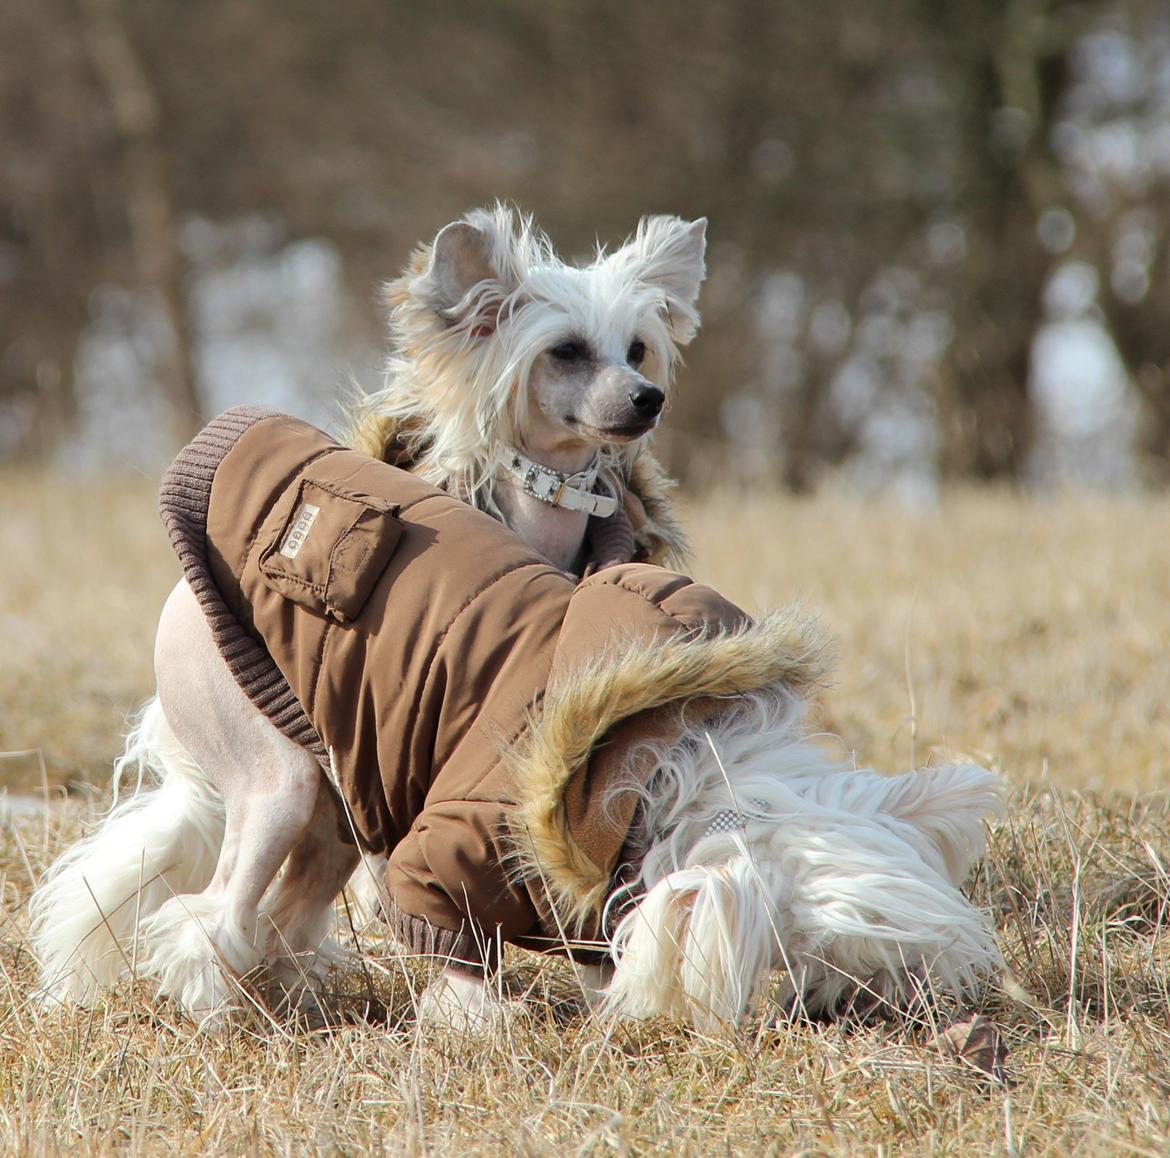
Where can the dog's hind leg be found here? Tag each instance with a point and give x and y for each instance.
(196, 945)
(164, 838)
(297, 913)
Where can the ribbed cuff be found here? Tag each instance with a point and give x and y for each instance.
(184, 499)
(611, 541)
(461, 948)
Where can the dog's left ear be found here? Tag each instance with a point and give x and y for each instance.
(460, 261)
(670, 253)
(468, 273)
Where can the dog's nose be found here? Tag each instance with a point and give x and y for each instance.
(647, 400)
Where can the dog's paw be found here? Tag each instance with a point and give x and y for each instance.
(468, 1004)
(198, 959)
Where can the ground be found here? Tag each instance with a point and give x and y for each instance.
(1026, 633)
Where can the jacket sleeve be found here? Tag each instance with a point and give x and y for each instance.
(454, 862)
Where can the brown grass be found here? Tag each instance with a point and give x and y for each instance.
(1030, 634)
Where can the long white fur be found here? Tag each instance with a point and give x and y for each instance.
(841, 878)
(179, 883)
(195, 955)
(155, 844)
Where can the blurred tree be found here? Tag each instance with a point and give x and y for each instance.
(150, 213)
(1006, 63)
(1124, 205)
(52, 240)
(1141, 329)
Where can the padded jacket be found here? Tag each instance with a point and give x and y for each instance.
(483, 716)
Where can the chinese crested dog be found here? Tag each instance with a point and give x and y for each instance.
(527, 387)
(620, 761)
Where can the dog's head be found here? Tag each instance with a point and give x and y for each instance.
(763, 856)
(506, 345)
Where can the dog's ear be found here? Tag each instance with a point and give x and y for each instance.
(670, 253)
(468, 275)
(698, 944)
(460, 260)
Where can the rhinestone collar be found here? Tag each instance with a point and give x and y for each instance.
(574, 492)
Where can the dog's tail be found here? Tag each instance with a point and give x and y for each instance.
(163, 840)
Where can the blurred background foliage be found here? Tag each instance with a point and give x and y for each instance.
(938, 228)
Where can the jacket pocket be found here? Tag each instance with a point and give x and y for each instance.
(329, 551)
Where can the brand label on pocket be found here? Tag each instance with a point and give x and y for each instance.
(299, 531)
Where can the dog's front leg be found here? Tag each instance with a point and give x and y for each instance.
(465, 999)
(594, 980)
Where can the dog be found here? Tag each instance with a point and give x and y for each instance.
(527, 386)
(615, 765)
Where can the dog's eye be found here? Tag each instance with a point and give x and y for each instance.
(636, 354)
(568, 351)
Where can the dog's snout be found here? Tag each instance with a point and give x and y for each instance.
(646, 399)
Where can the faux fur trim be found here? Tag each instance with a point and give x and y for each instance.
(661, 539)
(385, 437)
(781, 650)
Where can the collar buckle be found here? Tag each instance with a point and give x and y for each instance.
(574, 492)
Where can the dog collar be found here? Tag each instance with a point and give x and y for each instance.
(574, 492)
(730, 820)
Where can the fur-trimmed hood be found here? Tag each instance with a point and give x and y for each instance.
(567, 838)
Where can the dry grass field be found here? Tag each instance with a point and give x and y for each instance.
(1031, 635)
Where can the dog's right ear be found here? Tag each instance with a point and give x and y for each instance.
(461, 282)
(669, 253)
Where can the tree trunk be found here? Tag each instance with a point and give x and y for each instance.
(150, 210)
(1141, 333)
(1016, 76)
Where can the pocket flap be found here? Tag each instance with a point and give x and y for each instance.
(330, 550)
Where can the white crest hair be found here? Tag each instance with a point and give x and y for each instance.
(456, 379)
(844, 879)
